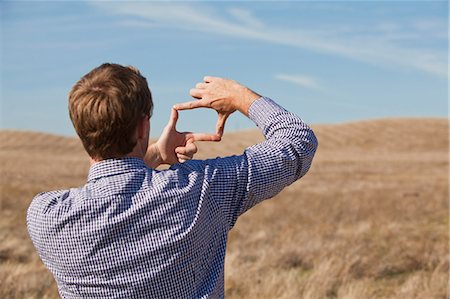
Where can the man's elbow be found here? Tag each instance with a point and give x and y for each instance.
(309, 148)
(314, 143)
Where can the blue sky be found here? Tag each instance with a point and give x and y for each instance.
(328, 62)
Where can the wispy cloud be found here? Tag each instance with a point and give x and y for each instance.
(301, 80)
(245, 17)
(380, 47)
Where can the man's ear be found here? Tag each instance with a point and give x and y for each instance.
(143, 128)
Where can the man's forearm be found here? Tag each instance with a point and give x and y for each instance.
(243, 97)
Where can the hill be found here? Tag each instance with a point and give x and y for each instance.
(370, 220)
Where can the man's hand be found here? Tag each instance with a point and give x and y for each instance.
(223, 95)
(174, 147)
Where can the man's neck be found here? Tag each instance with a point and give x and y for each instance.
(136, 153)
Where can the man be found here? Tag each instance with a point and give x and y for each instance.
(136, 232)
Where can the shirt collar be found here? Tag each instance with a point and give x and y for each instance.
(112, 167)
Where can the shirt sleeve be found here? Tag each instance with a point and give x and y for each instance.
(238, 183)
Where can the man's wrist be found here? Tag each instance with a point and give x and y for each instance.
(245, 99)
(153, 157)
(262, 110)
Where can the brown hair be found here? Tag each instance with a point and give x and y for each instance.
(105, 106)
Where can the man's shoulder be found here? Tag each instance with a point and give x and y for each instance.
(46, 202)
(54, 195)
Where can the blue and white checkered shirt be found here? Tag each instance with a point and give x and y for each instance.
(136, 232)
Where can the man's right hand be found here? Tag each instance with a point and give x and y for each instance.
(223, 95)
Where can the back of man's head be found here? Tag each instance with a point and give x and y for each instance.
(105, 107)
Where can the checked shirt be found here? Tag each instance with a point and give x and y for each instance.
(137, 232)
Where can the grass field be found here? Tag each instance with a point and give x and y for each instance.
(370, 220)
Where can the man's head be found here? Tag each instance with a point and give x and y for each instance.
(107, 106)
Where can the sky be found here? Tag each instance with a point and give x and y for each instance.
(328, 62)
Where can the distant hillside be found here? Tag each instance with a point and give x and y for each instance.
(409, 134)
(36, 141)
(374, 136)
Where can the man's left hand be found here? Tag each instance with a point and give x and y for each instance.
(173, 146)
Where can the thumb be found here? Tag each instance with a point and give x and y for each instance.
(220, 126)
(173, 118)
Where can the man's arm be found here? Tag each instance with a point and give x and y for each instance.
(240, 182)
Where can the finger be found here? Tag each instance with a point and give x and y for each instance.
(183, 158)
(208, 79)
(220, 125)
(200, 85)
(196, 93)
(173, 118)
(189, 150)
(191, 105)
(202, 136)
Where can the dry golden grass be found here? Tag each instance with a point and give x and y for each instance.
(370, 220)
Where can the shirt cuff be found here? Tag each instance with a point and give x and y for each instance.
(262, 109)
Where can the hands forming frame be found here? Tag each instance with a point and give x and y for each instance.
(223, 95)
